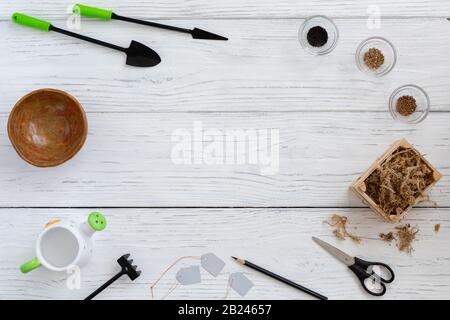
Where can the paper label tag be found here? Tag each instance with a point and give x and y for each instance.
(212, 263)
(189, 275)
(240, 283)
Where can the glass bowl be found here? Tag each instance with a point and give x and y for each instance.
(388, 50)
(422, 101)
(328, 25)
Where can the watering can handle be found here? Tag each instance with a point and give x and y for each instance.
(30, 265)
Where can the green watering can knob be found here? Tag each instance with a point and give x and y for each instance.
(97, 221)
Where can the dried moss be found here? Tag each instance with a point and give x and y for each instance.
(437, 227)
(388, 237)
(399, 181)
(339, 223)
(405, 236)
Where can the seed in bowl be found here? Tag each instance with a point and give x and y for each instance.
(406, 105)
(374, 58)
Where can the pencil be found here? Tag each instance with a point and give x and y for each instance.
(280, 278)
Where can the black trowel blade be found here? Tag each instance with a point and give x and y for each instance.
(139, 55)
(205, 35)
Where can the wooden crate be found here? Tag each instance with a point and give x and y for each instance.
(359, 187)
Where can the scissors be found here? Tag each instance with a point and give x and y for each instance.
(368, 273)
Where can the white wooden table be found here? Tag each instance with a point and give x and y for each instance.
(332, 119)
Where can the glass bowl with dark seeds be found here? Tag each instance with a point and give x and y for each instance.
(318, 35)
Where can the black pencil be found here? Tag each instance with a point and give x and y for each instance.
(280, 278)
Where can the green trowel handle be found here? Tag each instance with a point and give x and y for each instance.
(31, 22)
(92, 12)
(30, 265)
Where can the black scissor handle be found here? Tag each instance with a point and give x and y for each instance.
(365, 277)
(368, 266)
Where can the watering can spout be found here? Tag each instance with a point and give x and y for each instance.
(95, 222)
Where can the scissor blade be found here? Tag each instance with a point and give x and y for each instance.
(340, 255)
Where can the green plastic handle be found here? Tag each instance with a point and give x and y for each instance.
(31, 22)
(30, 265)
(92, 12)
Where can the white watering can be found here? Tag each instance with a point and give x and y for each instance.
(64, 244)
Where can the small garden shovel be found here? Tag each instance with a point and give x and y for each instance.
(138, 55)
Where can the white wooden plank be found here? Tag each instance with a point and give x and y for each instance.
(261, 68)
(277, 239)
(236, 8)
(127, 161)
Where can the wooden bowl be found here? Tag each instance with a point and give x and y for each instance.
(47, 127)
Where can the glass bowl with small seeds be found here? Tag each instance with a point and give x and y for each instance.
(318, 35)
(409, 104)
(376, 56)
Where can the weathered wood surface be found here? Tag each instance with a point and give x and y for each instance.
(127, 161)
(332, 119)
(226, 9)
(279, 239)
(261, 68)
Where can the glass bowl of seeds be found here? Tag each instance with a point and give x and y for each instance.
(409, 103)
(376, 56)
(318, 35)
